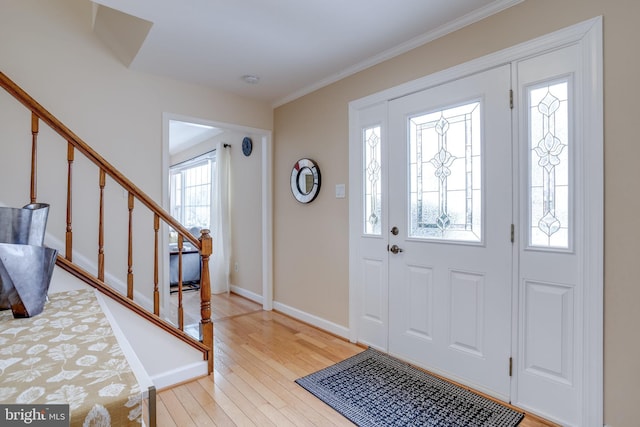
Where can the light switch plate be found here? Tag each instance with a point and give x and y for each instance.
(340, 191)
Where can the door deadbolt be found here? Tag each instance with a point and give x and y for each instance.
(395, 230)
(394, 249)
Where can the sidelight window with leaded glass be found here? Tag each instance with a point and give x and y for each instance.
(549, 151)
(445, 177)
(372, 152)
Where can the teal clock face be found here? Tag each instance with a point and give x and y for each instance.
(247, 146)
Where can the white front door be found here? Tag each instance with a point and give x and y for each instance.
(450, 203)
(476, 224)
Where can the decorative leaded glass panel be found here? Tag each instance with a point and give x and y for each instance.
(445, 174)
(372, 180)
(549, 165)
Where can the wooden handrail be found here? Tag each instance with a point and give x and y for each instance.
(92, 155)
(203, 243)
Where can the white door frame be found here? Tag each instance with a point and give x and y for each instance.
(588, 35)
(266, 299)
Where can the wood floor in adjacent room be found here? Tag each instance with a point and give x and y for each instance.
(258, 356)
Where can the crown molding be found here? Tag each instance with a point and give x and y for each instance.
(468, 19)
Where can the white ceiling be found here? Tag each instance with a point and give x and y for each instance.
(184, 135)
(293, 46)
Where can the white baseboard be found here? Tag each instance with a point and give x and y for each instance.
(305, 317)
(313, 320)
(180, 375)
(247, 294)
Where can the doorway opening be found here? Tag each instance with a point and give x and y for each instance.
(191, 153)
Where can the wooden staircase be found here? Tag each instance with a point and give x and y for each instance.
(97, 280)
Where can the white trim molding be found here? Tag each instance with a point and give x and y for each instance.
(266, 139)
(463, 21)
(251, 296)
(312, 320)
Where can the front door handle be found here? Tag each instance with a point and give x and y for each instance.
(395, 249)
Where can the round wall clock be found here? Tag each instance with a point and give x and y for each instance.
(305, 180)
(247, 146)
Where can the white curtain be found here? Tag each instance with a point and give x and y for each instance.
(221, 257)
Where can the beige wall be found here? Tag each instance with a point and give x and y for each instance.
(49, 49)
(246, 216)
(311, 242)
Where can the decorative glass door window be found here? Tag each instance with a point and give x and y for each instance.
(549, 150)
(372, 180)
(445, 174)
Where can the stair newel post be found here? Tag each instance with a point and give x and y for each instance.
(101, 228)
(69, 234)
(156, 293)
(35, 123)
(130, 250)
(206, 326)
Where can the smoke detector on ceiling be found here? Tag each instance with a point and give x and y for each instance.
(251, 79)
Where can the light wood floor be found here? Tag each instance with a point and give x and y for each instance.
(258, 356)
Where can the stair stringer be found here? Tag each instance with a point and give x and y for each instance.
(167, 360)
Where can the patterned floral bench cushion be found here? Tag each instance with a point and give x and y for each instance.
(69, 355)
